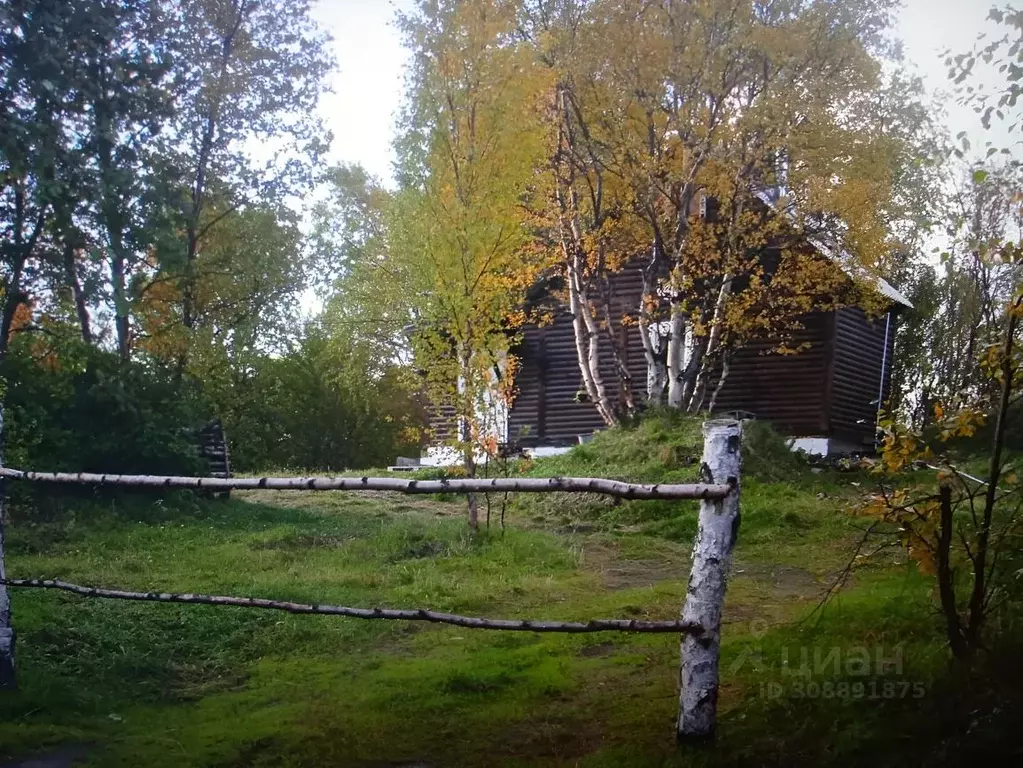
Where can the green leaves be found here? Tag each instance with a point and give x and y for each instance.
(456, 232)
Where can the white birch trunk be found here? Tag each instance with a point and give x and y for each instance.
(713, 342)
(726, 360)
(653, 341)
(676, 357)
(656, 381)
(705, 596)
(7, 679)
(653, 349)
(587, 343)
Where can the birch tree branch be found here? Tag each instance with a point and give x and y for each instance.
(412, 614)
(477, 485)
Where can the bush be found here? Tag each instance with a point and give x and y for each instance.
(89, 412)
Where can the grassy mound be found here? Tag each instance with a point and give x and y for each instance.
(782, 497)
(665, 446)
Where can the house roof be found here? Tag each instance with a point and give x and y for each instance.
(848, 263)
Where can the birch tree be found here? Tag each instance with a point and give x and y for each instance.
(469, 145)
(660, 108)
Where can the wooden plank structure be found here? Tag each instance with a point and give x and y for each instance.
(701, 613)
(831, 388)
(212, 448)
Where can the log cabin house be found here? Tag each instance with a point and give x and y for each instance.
(827, 397)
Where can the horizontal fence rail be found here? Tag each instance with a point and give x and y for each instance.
(412, 614)
(476, 485)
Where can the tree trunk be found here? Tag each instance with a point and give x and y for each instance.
(587, 342)
(713, 343)
(615, 344)
(712, 553)
(111, 211)
(467, 415)
(77, 294)
(656, 366)
(979, 597)
(676, 357)
(726, 359)
(946, 585)
(203, 162)
(692, 371)
(13, 298)
(7, 677)
(653, 342)
(585, 329)
(122, 323)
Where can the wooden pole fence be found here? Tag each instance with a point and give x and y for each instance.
(481, 485)
(699, 624)
(411, 614)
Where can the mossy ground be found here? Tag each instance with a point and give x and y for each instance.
(128, 684)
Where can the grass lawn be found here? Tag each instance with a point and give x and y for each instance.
(130, 684)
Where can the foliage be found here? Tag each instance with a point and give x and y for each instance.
(367, 300)
(322, 406)
(147, 153)
(80, 409)
(249, 72)
(959, 527)
(958, 310)
(456, 236)
(1006, 54)
(707, 145)
(123, 146)
(245, 305)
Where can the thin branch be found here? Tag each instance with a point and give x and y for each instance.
(218, 218)
(412, 614)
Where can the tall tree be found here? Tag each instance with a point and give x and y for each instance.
(457, 228)
(126, 104)
(38, 84)
(962, 299)
(247, 73)
(664, 106)
(37, 149)
(351, 263)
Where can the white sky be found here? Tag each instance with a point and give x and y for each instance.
(367, 87)
(368, 84)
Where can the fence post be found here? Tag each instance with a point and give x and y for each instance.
(7, 678)
(712, 551)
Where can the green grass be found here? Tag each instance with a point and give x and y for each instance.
(173, 685)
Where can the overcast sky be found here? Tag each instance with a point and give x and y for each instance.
(368, 85)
